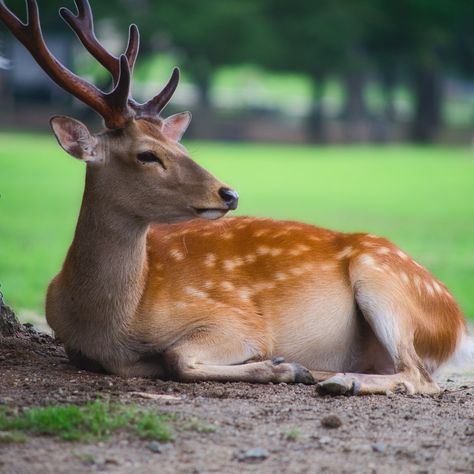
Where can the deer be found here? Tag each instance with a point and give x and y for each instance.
(156, 284)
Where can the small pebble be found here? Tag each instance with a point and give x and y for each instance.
(155, 447)
(255, 454)
(325, 440)
(331, 421)
(378, 447)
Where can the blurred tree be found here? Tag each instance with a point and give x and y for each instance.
(321, 38)
(208, 34)
(417, 40)
(422, 39)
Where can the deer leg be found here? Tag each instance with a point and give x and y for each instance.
(211, 357)
(321, 375)
(389, 317)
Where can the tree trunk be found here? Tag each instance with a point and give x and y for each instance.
(428, 99)
(388, 79)
(315, 120)
(204, 87)
(9, 325)
(355, 110)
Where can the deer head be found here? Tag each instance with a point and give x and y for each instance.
(137, 162)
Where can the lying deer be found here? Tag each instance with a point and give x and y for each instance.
(148, 290)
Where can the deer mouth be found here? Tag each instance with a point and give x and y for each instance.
(210, 213)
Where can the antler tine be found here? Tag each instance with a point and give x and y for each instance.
(158, 103)
(133, 46)
(83, 25)
(120, 94)
(116, 107)
(29, 34)
(113, 107)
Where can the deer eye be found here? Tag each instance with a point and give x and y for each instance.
(150, 157)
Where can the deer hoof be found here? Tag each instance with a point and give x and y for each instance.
(338, 386)
(302, 374)
(405, 388)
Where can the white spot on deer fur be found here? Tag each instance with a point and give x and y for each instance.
(210, 260)
(383, 250)
(299, 249)
(231, 264)
(345, 252)
(227, 286)
(177, 255)
(260, 232)
(263, 286)
(250, 258)
(263, 250)
(314, 238)
(208, 284)
(437, 287)
(191, 291)
(227, 235)
(244, 293)
(401, 254)
(404, 278)
(417, 281)
(367, 260)
(429, 288)
(297, 271)
(280, 276)
(275, 252)
(327, 266)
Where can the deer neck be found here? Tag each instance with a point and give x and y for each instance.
(106, 264)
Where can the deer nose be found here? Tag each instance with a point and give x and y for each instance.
(230, 197)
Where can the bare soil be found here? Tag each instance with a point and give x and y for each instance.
(238, 427)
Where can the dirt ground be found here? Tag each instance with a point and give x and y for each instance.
(238, 427)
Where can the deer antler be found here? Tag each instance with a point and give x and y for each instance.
(116, 107)
(83, 25)
(154, 106)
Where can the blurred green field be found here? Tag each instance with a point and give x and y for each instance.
(420, 197)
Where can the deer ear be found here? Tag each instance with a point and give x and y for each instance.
(175, 126)
(75, 138)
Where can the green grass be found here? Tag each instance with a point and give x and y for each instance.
(10, 437)
(420, 197)
(199, 426)
(93, 421)
(293, 434)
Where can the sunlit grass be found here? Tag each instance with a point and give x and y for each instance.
(93, 421)
(420, 197)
